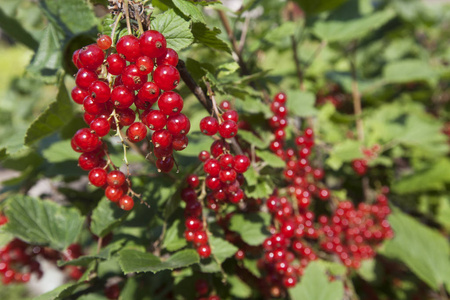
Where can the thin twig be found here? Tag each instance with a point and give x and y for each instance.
(116, 22)
(127, 15)
(244, 34)
(138, 19)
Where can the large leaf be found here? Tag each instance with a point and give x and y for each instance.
(105, 217)
(253, 139)
(15, 30)
(252, 227)
(315, 285)
(316, 6)
(189, 9)
(53, 118)
(270, 159)
(409, 70)
(301, 103)
(221, 249)
(174, 28)
(344, 152)
(59, 152)
(135, 261)
(340, 29)
(174, 238)
(209, 37)
(425, 251)
(43, 222)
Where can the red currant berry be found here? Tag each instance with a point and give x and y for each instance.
(113, 193)
(203, 156)
(163, 152)
(227, 176)
(125, 116)
(180, 142)
(237, 196)
(145, 65)
(225, 105)
(86, 140)
(212, 182)
(75, 58)
(226, 161)
(162, 138)
(200, 238)
(166, 77)
(202, 287)
(100, 91)
(219, 147)
(132, 78)
(241, 163)
(104, 42)
(126, 203)
(78, 95)
(88, 161)
(178, 124)
(155, 120)
(193, 180)
(281, 98)
(193, 224)
(231, 115)
(85, 78)
(112, 292)
(170, 103)
(209, 125)
(97, 177)
(165, 164)
(115, 64)
(136, 132)
(153, 44)
(204, 251)
(101, 126)
(170, 58)
(92, 107)
(149, 92)
(128, 46)
(122, 97)
(115, 178)
(228, 129)
(91, 57)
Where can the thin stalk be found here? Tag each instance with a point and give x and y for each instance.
(116, 22)
(127, 15)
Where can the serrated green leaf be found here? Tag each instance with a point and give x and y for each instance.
(251, 177)
(253, 139)
(209, 37)
(174, 237)
(409, 70)
(189, 9)
(251, 227)
(46, 62)
(424, 250)
(59, 293)
(221, 249)
(59, 152)
(43, 222)
(316, 6)
(346, 29)
(252, 266)
(261, 190)
(106, 216)
(270, 159)
(135, 261)
(16, 31)
(344, 152)
(53, 118)
(239, 288)
(174, 28)
(315, 285)
(301, 103)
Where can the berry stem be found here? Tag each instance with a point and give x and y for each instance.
(138, 19)
(116, 22)
(213, 100)
(119, 134)
(127, 16)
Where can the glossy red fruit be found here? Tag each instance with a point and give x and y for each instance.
(225, 105)
(180, 142)
(78, 94)
(165, 164)
(104, 42)
(87, 161)
(126, 116)
(227, 175)
(100, 91)
(209, 125)
(226, 161)
(193, 224)
(153, 44)
(211, 167)
(163, 152)
(115, 178)
(218, 147)
(228, 129)
(203, 156)
(178, 124)
(241, 163)
(230, 115)
(149, 92)
(122, 97)
(212, 182)
(84, 78)
(166, 77)
(129, 47)
(169, 58)
(97, 177)
(162, 138)
(92, 107)
(200, 237)
(101, 126)
(136, 132)
(155, 120)
(132, 78)
(112, 292)
(204, 251)
(75, 58)
(145, 65)
(85, 140)
(115, 64)
(91, 57)
(280, 97)
(113, 193)
(126, 203)
(170, 103)
(193, 180)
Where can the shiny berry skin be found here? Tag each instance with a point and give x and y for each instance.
(104, 42)
(240, 254)
(97, 177)
(189, 235)
(218, 147)
(136, 132)
(226, 161)
(91, 57)
(200, 238)
(228, 129)
(87, 161)
(227, 176)
(231, 115)
(126, 116)
(289, 281)
(169, 58)
(166, 77)
(101, 126)
(163, 152)
(122, 97)
(241, 163)
(85, 78)
(212, 182)
(113, 193)
(145, 65)
(100, 91)
(165, 164)
(193, 224)
(92, 107)
(180, 142)
(193, 180)
(211, 167)
(204, 251)
(132, 79)
(280, 97)
(112, 292)
(209, 125)
(78, 95)
(115, 178)
(203, 156)
(162, 138)
(75, 58)
(115, 64)
(237, 196)
(126, 203)
(153, 44)
(155, 120)
(149, 92)
(178, 124)
(86, 140)
(225, 105)
(128, 46)
(170, 103)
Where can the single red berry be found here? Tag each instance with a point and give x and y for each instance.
(228, 129)
(75, 58)
(163, 152)
(145, 65)
(101, 126)
(100, 91)
(115, 178)
(227, 176)
(218, 147)
(203, 155)
(193, 224)
(212, 182)
(128, 46)
(226, 161)
(231, 115)
(170, 103)
(211, 167)
(149, 92)
(136, 132)
(84, 78)
(165, 164)
(115, 64)
(189, 235)
(126, 116)
(178, 124)
(132, 78)
(193, 180)
(153, 44)
(280, 97)
(162, 138)
(237, 196)
(113, 193)
(112, 292)
(126, 203)
(97, 177)
(86, 140)
(180, 142)
(225, 105)
(169, 58)
(92, 107)
(155, 119)
(122, 97)
(166, 77)
(78, 94)
(200, 238)
(87, 161)
(241, 163)
(204, 251)
(104, 42)
(240, 254)
(91, 57)
(209, 125)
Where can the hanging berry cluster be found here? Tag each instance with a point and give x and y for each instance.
(223, 180)
(360, 166)
(116, 88)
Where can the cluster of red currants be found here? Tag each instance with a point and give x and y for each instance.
(116, 88)
(202, 289)
(360, 165)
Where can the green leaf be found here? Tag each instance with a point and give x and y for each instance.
(270, 159)
(253, 139)
(135, 261)
(105, 217)
(251, 177)
(338, 29)
(239, 288)
(209, 37)
(315, 285)
(53, 118)
(60, 292)
(221, 249)
(317, 6)
(174, 237)
(60, 152)
(261, 190)
(46, 62)
(286, 29)
(409, 70)
(43, 222)
(174, 28)
(251, 227)
(301, 103)
(344, 152)
(189, 9)
(252, 266)
(425, 251)
(16, 31)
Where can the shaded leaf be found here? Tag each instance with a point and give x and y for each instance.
(106, 216)
(221, 249)
(189, 9)
(301, 103)
(15, 30)
(252, 227)
(253, 139)
(271, 159)
(174, 28)
(409, 70)
(174, 237)
(209, 37)
(316, 6)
